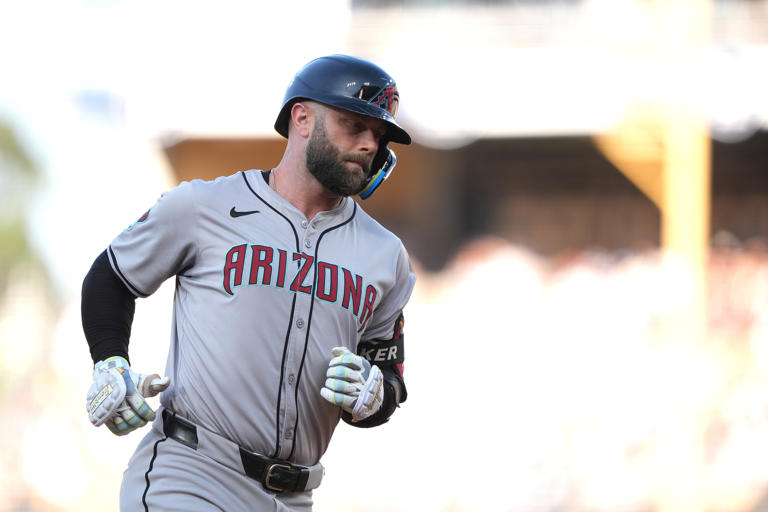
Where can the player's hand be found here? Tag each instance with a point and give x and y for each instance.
(116, 397)
(353, 384)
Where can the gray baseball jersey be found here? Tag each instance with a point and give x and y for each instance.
(262, 295)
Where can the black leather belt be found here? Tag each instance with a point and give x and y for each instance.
(276, 475)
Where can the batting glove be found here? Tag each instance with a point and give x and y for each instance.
(353, 384)
(116, 397)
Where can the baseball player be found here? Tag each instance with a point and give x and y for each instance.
(288, 309)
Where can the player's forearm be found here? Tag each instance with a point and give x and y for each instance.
(107, 309)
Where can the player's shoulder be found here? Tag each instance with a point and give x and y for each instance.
(231, 180)
(382, 236)
(203, 190)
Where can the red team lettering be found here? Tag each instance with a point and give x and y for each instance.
(370, 298)
(281, 269)
(298, 282)
(352, 290)
(327, 281)
(328, 278)
(262, 259)
(234, 262)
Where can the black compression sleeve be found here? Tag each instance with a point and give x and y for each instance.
(107, 309)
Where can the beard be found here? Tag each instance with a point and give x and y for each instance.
(327, 164)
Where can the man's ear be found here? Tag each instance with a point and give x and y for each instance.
(302, 117)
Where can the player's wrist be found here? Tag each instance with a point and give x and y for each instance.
(112, 362)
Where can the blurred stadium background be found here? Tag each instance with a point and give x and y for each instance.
(586, 203)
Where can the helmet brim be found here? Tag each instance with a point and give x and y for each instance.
(395, 133)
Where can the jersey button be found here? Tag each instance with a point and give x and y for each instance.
(300, 323)
(307, 243)
(288, 433)
(291, 379)
(304, 224)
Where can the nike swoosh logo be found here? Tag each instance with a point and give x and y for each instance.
(235, 213)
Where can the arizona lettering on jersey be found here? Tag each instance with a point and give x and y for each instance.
(269, 267)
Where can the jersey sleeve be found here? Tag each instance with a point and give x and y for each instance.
(382, 323)
(162, 243)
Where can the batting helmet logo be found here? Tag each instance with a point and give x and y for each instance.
(387, 99)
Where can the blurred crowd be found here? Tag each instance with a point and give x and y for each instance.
(535, 384)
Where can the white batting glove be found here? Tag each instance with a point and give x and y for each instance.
(353, 384)
(116, 397)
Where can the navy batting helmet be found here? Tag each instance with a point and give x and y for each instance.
(356, 85)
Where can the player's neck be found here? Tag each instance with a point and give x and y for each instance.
(302, 190)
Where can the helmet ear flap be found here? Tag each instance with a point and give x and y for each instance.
(383, 164)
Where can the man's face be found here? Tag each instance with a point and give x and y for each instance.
(341, 161)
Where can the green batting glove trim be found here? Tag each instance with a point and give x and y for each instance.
(144, 411)
(120, 361)
(121, 425)
(135, 421)
(340, 371)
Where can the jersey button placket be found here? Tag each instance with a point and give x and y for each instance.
(310, 228)
(294, 358)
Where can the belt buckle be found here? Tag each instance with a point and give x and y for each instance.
(270, 474)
